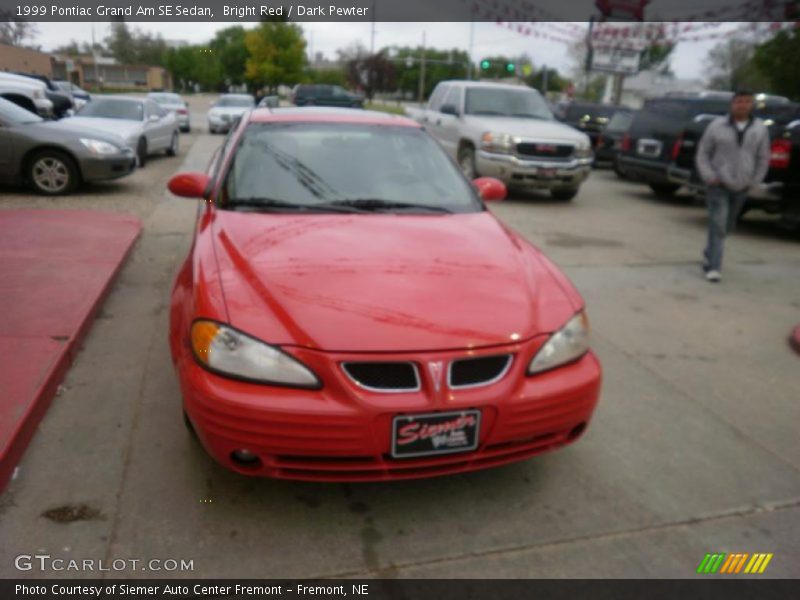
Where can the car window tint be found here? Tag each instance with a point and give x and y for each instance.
(437, 96)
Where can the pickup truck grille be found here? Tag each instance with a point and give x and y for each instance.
(543, 150)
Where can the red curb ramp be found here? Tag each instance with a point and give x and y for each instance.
(56, 267)
(794, 339)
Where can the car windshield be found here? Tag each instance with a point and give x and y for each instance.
(166, 98)
(332, 166)
(578, 112)
(507, 103)
(236, 101)
(620, 121)
(113, 108)
(11, 113)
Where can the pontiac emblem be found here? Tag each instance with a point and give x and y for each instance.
(436, 370)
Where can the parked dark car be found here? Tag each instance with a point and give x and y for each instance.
(780, 191)
(62, 101)
(609, 141)
(589, 117)
(54, 157)
(325, 95)
(650, 144)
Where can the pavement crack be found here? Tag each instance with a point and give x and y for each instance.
(789, 504)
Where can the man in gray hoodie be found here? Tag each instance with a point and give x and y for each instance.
(733, 155)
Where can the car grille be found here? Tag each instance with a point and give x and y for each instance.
(384, 376)
(473, 372)
(542, 150)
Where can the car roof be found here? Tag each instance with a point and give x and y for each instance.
(116, 97)
(322, 114)
(250, 96)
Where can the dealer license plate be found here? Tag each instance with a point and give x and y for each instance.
(435, 433)
(546, 173)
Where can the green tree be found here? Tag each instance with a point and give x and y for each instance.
(440, 65)
(779, 61)
(555, 81)
(132, 46)
(326, 76)
(191, 65)
(230, 50)
(730, 65)
(276, 54)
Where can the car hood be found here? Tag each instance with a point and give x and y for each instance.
(551, 131)
(67, 128)
(233, 111)
(121, 127)
(372, 283)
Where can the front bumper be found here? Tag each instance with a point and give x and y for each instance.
(218, 124)
(98, 168)
(343, 433)
(532, 173)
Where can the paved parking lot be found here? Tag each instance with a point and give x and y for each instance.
(693, 449)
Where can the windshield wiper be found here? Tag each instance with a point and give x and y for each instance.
(267, 204)
(379, 204)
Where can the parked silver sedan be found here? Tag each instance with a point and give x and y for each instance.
(227, 110)
(176, 104)
(54, 157)
(147, 127)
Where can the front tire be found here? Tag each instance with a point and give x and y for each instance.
(466, 160)
(565, 194)
(664, 190)
(173, 145)
(141, 153)
(52, 173)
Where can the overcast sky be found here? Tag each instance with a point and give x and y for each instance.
(489, 39)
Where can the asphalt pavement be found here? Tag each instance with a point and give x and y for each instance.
(693, 448)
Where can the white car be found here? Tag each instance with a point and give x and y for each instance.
(30, 94)
(225, 111)
(143, 124)
(175, 104)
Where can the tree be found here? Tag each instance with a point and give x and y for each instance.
(135, 47)
(195, 65)
(731, 66)
(277, 54)
(449, 64)
(371, 73)
(326, 76)
(15, 31)
(779, 60)
(555, 81)
(230, 50)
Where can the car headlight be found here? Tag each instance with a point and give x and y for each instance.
(583, 151)
(565, 345)
(224, 350)
(100, 148)
(498, 142)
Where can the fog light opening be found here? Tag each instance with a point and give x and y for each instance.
(245, 458)
(576, 431)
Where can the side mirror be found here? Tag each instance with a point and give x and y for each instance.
(490, 189)
(449, 109)
(191, 184)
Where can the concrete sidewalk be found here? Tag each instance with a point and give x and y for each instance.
(55, 269)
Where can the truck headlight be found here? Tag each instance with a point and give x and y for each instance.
(566, 345)
(226, 351)
(498, 142)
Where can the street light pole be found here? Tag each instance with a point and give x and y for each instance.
(421, 94)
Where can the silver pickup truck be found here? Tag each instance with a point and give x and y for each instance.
(508, 132)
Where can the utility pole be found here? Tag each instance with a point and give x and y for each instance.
(421, 94)
(94, 60)
(471, 43)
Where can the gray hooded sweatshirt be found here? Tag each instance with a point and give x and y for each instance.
(738, 160)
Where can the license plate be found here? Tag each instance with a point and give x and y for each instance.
(435, 433)
(546, 173)
(651, 148)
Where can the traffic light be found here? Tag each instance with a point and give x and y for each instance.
(485, 64)
(511, 67)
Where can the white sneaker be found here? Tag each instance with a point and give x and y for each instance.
(713, 275)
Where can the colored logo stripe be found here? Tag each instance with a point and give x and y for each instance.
(733, 563)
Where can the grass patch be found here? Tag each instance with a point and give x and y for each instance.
(387, 108)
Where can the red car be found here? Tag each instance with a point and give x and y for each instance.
(350, 310)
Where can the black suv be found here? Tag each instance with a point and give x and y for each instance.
(325, 95)
(647, 148)
(609, 142)
(780, 192)
(588, 117)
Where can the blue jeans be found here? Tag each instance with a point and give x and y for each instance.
(724, 207)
